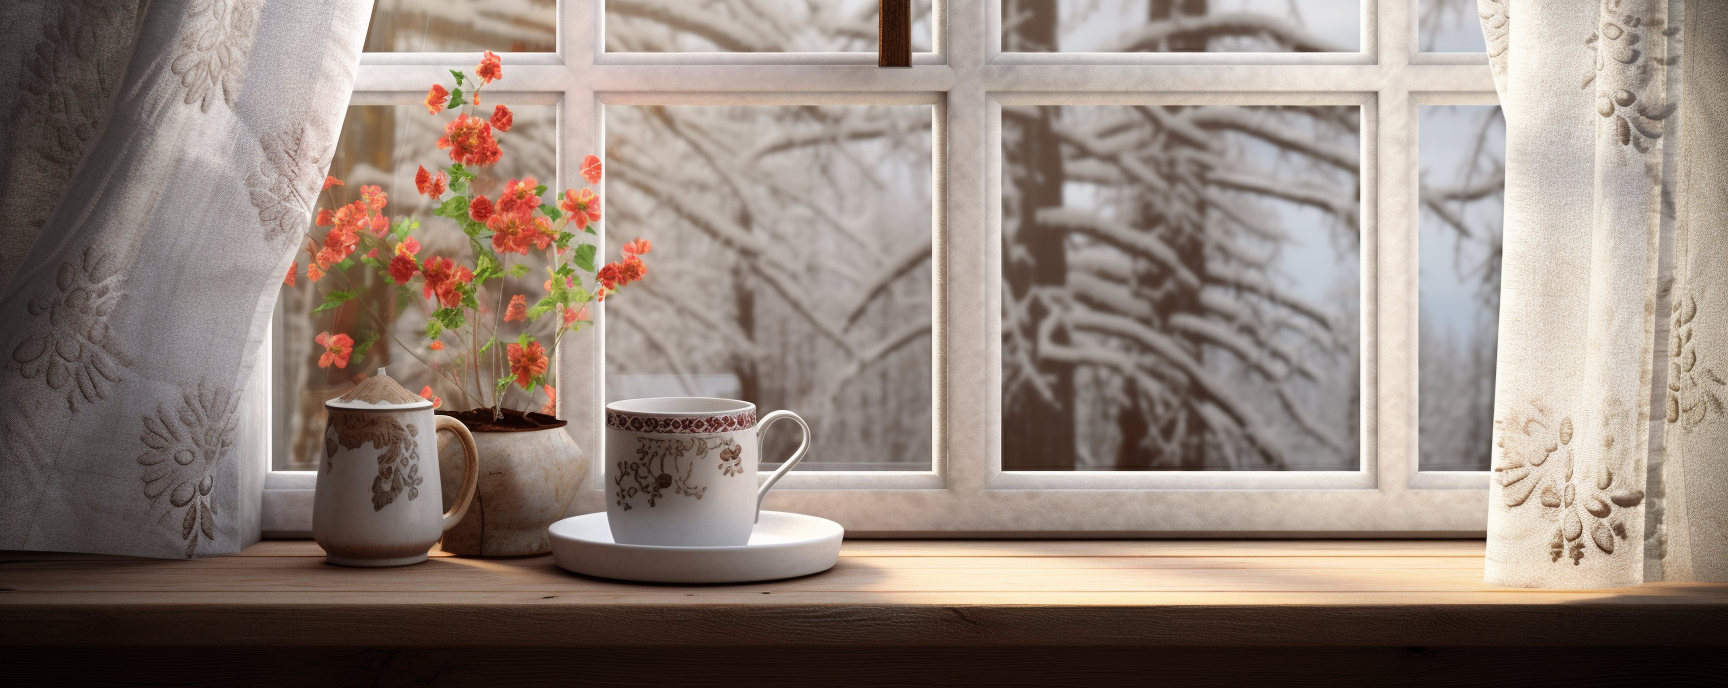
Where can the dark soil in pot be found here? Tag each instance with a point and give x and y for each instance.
(481, 420)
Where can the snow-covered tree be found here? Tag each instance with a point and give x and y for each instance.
(1149, 321)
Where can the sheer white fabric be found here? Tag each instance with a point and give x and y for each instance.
(1614, 294)
(134, 322)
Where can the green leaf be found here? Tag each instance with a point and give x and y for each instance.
(540, 190)
(585, 257)
(451, 318)
(489, 343)
(504, 383)
(522, 340)
(365, 345)
(434, 329)
(455, 208)
(334, 299)
(459, 76)
(590, 229)
(456, 98)
(551, 211)
(404, 298)
(579, 295)
(517, 270)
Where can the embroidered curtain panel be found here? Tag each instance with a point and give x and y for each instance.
(134, 322)
(1611, 429)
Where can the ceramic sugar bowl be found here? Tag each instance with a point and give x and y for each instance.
(379, 500)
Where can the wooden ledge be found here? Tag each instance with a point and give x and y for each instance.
(978, 594)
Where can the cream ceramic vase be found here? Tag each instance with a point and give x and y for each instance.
(528, 479)
(379, 498)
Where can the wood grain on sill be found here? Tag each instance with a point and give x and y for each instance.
(882, 593)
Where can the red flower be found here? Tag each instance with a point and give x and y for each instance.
(443, 278)
(638, 247)
(609, 276)
(435, 99)
(313, 273)
(337, 349)
(480, 210)
(330, 181)
(470, 141)
(428, 185)
(526, 362)
(403, 267)
(583, 208)
(338, 245)
(325, 218)
(489, 69)
(551, 407)
(426, 393)
(501, 118)
(511, 233)
(591, 169)
(292, 268)
(518, 197)
(437, 346)
(517, 310)
(634, 269)
(410, 246)
(374, 197)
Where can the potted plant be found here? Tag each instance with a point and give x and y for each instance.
(530, 468)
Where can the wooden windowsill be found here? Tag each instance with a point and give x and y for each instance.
(882, 593)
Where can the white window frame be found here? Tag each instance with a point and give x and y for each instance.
(966, 78)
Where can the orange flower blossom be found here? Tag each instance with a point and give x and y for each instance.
(435, 99)
(526, 362)
(582, 208)
(490, 69)
(517, 310)
(470, 142)
(337, 349)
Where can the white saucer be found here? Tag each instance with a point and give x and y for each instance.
(783, 545)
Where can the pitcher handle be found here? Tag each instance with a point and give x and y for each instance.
(470, 469)
(803, 447)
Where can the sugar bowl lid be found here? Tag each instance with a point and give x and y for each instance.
(378, 393)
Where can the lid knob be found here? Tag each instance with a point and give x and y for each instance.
(379, 391)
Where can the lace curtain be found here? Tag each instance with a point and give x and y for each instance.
(160, 164)
(1611, 399)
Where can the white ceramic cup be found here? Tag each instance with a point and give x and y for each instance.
(379, 502)
(681, 471)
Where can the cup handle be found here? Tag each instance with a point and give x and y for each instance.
(803, 447)
(470, 469)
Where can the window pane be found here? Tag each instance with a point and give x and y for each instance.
(1181, 26)
(518, 26)
(752, 26)
(791, 268)
(1180, 288)
(1450, 26)
(1463, 153)
(384, 145)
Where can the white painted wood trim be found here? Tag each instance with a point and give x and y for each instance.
(966, 80)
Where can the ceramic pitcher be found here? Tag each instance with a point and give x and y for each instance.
(379, 500)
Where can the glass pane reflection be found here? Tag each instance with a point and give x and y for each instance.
(518, 26)
(1463, 154)
(1180, 288)
(1181, 26)
(752, 26)
(791, 268)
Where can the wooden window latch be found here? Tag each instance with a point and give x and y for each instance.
(894, 34)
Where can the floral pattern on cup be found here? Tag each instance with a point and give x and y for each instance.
(681, 425)
(662, 464)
